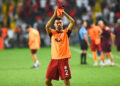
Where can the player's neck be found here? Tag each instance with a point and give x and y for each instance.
(83, 26)
(59, 30)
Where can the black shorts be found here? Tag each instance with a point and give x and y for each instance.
(33, 51)
(83, 45)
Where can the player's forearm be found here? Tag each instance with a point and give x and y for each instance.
(113, 38)
(71, 20)
(86, 40)
(50, 21)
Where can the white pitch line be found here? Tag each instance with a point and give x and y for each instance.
(117, 65)
(90, 55)
(117, 57)
(77, 50)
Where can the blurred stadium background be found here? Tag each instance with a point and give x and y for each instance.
(15, 63)
(16, 14)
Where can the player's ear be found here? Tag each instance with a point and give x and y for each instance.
(54, 24)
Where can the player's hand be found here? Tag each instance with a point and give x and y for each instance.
(88, 44)
(60, 12)
(63, 12)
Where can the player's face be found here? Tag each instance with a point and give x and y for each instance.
(101, 24)
(58, 25)
(107, 28)
(85, 24)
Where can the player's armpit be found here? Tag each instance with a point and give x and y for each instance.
(69, 33)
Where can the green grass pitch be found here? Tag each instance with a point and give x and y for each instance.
(15, 69)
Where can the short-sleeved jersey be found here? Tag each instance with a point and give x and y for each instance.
(94, 33)
(34, 39)
(82, 31)
(106, 36)
(106, 40)
(60, 44)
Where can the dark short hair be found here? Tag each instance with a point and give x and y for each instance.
(28, 26)
(91, 22)
(83, 21)
(58, 18)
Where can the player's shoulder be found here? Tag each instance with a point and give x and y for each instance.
(52, 31)
(98, 28)
(65, 29)
(34, 31)
(90, 29)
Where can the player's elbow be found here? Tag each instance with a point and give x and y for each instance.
(47, 26)
(73, 21)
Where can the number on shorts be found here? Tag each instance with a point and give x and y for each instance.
(66, 70)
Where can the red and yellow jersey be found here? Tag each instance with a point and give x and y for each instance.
(60, 44)
(94, 33)
(34, 39)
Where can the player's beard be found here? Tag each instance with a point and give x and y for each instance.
(59, 28)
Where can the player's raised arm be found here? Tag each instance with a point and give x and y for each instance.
(48, 25)
(71, 20)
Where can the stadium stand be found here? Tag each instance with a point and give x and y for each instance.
(16, 14)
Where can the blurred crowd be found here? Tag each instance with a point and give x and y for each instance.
(15, 15)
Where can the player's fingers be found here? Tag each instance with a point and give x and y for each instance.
(55, 12)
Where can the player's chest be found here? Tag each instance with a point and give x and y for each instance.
(94, 32)
(59, 37)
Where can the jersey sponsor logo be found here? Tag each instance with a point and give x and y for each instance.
(62, 34)
(58, 40)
